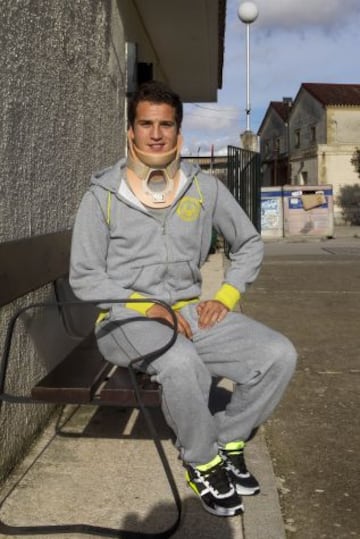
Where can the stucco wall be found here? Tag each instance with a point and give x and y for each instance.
(305, 171)
(306, 112)
(336, 169)
(274, 128)
(61, 117)
(273, 149)
(62, 109)
(343, 125)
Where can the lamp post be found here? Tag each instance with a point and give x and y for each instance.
(248, 13)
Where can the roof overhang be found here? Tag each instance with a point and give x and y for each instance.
(187, 41)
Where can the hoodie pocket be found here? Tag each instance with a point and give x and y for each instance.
(146, 278)
(183, 274)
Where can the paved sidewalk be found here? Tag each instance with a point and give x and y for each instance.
(345, 241)
(109, 479)
(310, 291)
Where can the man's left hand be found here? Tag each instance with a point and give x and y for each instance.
(211, 312)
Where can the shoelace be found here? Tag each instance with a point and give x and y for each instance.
(218, 479)
(237, 458)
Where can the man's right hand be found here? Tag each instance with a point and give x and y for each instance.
(158, 311)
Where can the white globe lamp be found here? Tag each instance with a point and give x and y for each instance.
(248, 12)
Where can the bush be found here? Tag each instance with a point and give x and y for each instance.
(349, 201)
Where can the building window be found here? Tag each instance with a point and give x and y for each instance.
(267, 147)
(276, 145)
(313, 133)
(297, 138)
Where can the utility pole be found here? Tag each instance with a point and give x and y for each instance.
(248, 13)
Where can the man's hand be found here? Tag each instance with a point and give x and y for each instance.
(211, 312)
(158, 311)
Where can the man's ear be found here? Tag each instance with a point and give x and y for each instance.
(131, 133)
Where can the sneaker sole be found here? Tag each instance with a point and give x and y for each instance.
(244, 491)
(223, 511)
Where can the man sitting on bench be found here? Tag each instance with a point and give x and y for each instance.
(143, 230)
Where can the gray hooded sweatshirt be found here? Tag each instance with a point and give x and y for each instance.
(121, 249)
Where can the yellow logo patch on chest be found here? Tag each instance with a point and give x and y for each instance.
(189, 209)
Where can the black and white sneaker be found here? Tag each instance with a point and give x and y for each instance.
(234, 463)
(218, 496)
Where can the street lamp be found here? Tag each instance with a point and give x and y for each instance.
(248, 13)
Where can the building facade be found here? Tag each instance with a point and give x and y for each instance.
(274, 143)
(315, 143)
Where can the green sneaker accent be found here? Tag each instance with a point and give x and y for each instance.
(234, 463)
(216, 492)
(205, 467)
(234, 446)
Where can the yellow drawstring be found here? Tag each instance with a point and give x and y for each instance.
(108, 208)
(196, 181)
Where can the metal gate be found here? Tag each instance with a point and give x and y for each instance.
(240, 172)
(244, 181)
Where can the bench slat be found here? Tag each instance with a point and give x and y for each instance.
(85, 377)
(119, 389)
(76, 378)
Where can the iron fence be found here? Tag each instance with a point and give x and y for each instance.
(240, 172)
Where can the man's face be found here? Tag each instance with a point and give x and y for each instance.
(155, 129)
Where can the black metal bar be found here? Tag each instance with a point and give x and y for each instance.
(244, 181)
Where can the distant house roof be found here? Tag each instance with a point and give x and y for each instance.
(327, 94)
(334, 94)
(282, 108)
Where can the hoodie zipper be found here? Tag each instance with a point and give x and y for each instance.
(166, 241)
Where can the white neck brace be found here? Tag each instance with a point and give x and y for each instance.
(143, 162)
(156, 171)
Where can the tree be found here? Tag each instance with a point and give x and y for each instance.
(349, 200)
(355, 161)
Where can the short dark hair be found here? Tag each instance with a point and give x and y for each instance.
(155, 92)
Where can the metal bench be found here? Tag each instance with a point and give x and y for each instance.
(85, 377)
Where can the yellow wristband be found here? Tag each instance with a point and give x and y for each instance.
(228, 295)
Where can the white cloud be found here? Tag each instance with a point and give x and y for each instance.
(209, 116)
(210, 124)
(201, 142)
(292, 41)
(297, 14)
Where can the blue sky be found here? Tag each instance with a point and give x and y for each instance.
(292, 41)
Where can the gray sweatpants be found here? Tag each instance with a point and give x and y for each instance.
(257, 359)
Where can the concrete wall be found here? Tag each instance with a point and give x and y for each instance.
(62, 92)
(343, 125)
(273, 129)
(335, 168)
(304, 171)
(306, 113)
(273, 149)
